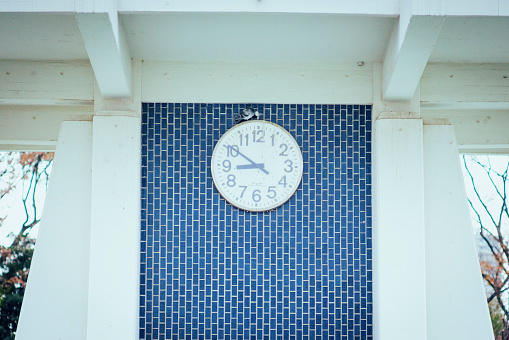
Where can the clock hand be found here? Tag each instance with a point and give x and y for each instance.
(251, 166)
(249, 160)
(262, 168)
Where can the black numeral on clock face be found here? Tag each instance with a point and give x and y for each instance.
(244, 187)
(227, 165)
(244, 139)
(271, 192)
(232, 150)
(258, 136)
(256, 196)
(285, 148)
(258, 169)
(289, 165)
(231, 181)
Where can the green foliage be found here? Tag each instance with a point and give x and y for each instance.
(14, 268)
(497, 318)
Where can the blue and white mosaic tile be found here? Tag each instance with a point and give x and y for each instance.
(212, 271)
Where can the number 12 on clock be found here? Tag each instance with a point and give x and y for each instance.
(257, 166)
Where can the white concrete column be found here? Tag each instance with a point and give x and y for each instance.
(398, 240)
(55, 302)
(456, 301)
(115, 229)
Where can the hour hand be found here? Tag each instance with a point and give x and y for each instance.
(260, 166)
(255, 165)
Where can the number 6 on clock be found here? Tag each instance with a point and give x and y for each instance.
(255, 173)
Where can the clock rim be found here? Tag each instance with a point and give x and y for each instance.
(271, 207)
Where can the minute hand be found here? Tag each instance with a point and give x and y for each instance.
(249, 160)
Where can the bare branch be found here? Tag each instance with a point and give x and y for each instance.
(492, 227)
(477, 192)
(495, 253)
(505, 184)
(498, 226)
(25, 197)
(483, 228)
(32, 164)
(492, 296)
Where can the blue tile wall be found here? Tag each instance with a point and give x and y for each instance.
(211, 271)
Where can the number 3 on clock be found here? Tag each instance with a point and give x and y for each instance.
(253, 172)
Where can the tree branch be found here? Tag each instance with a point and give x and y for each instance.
(477, 193)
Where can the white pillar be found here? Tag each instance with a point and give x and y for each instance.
(398, 250)
(115, 229)
(55, 302)
(456, 301)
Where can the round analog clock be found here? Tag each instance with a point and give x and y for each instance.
(257, 166)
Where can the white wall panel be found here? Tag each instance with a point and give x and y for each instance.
(456, 302)
(55, 302)
(398, 248)
(115, 229)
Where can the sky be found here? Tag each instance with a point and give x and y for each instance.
(11, 207)
(484, 187)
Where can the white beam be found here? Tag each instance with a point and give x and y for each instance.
(370, 7)
(326, 83)
(477, 131)
(46, 83)
(36, 128)
(465, 86)
(353, 7)
(396, 110)
(121, 106)
(107, 48)
(407, 54)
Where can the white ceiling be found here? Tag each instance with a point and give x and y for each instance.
(251, 37)
(473, 40)
(257, 37)
(30, 36)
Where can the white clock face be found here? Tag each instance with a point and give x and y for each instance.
(257, 166)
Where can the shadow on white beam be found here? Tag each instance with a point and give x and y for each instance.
(108, 52)
(407, 55)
